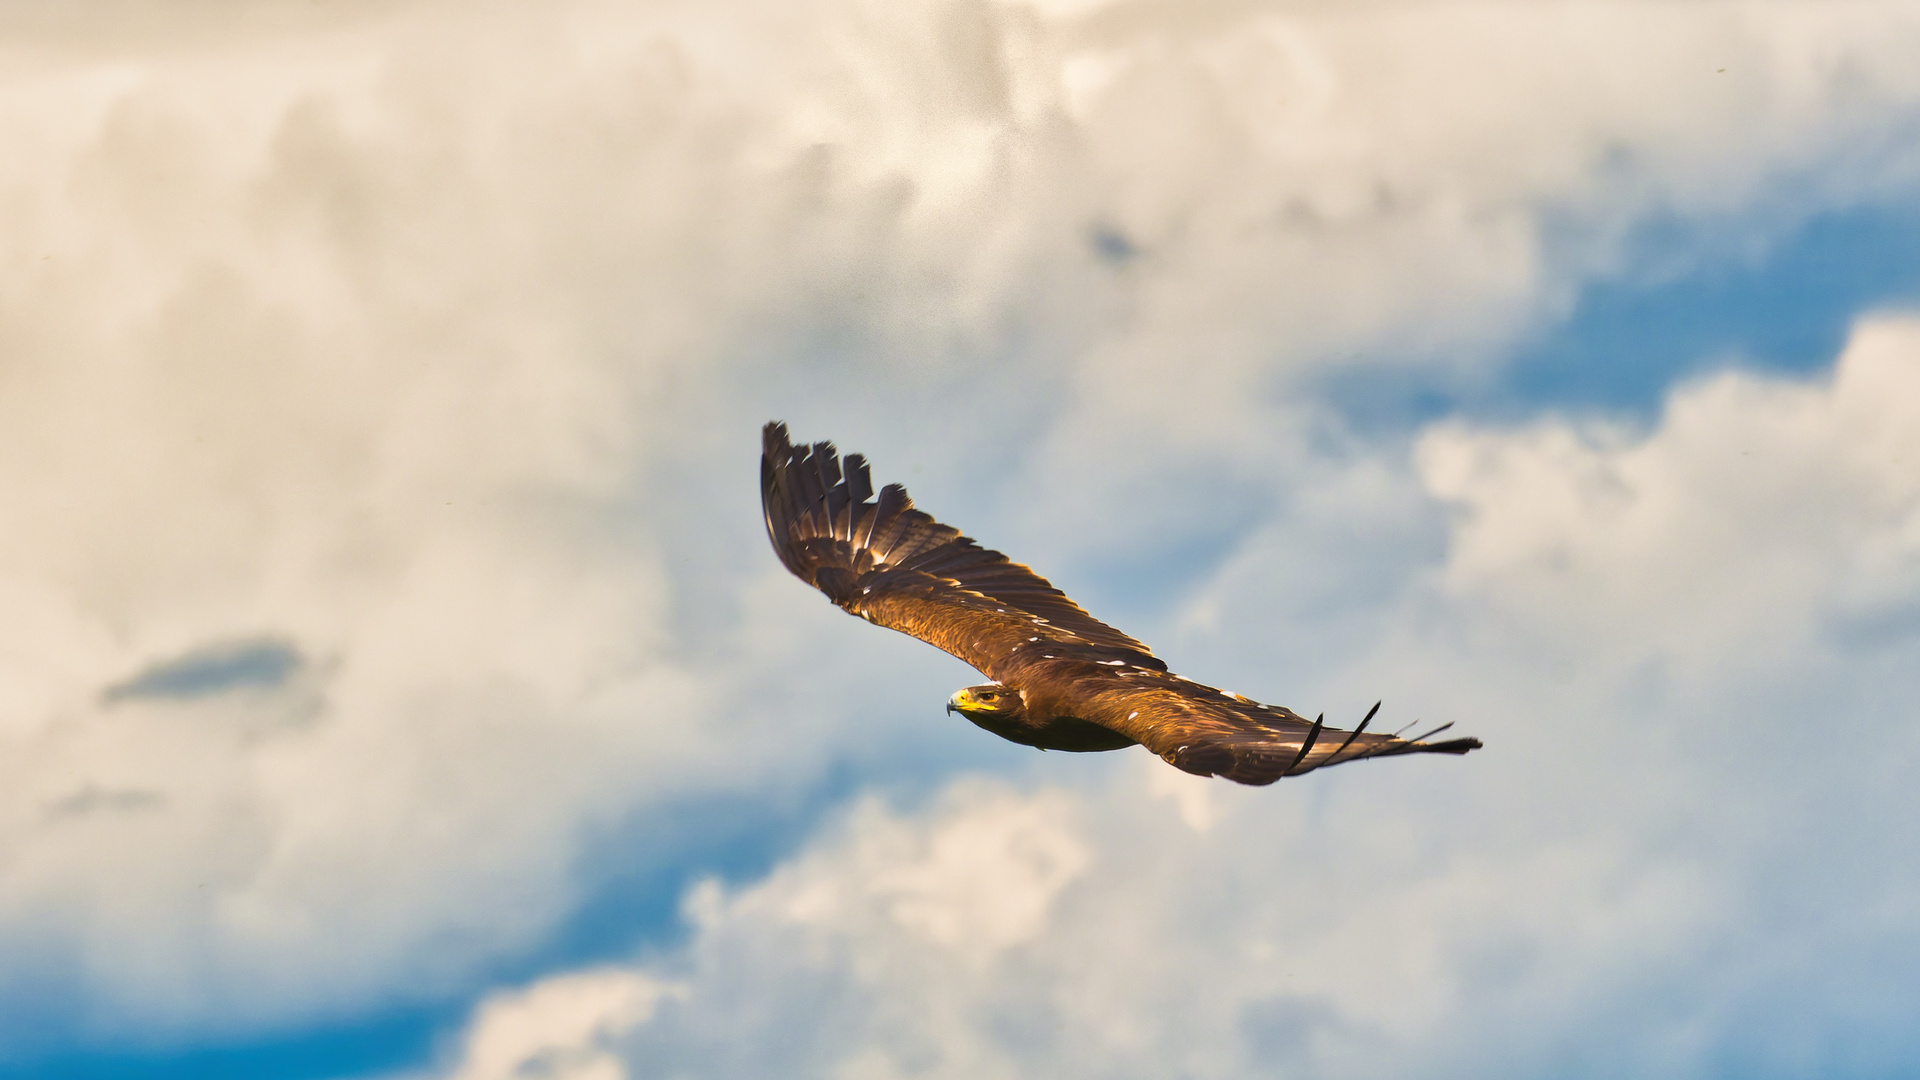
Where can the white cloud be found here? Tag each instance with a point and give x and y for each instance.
(981, 881)
(1665, 881)
(427, 343)
(1349, 938)
(1760, 521)
(560, 1028)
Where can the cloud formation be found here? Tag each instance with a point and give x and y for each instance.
(415, 352)
(1637, 876)
(559, 1029)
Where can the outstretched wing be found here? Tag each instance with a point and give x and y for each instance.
(886, 562)
(1210, 732)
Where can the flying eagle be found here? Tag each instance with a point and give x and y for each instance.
(1061, 679)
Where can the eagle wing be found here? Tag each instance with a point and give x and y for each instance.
(883, 560)
(1210, 732)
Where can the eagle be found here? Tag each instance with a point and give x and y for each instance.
(1060, 678)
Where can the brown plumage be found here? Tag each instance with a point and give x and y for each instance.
(1062, 679)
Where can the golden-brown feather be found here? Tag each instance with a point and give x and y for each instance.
(1212, 733)
(893, 565)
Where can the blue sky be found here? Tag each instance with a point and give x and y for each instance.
(398, 683)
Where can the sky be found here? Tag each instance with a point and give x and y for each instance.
(396, 683)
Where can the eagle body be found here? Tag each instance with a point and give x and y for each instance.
(1021, 716)
(1062, 680)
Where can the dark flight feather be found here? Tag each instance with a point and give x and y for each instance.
(893, 565)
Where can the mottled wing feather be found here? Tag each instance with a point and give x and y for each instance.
(1212, 733)
(881, 559)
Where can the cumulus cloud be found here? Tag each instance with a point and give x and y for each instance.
(560, 1028)
(377, 408)
(1627, 880)
(1752, 499)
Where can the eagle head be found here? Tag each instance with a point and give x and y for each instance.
(989, 702)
